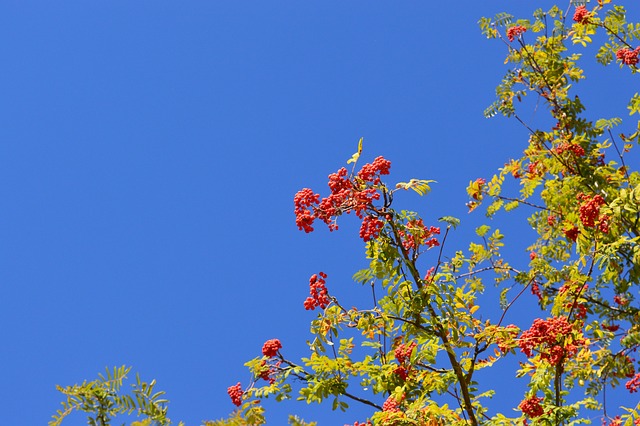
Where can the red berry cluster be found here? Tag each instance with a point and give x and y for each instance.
(428, 277)
(371, 172)
(620, 300)
(535, 290)
(603, 224)
(553, 338)
(342, 189)
(347, 194)
(590, 209)
(266, 373)
(367, 423)
(576, 149)
(401, 372)
(531, 407)
(318, 290)
(370, 228)
(403, 352)
(391, 405)
(572, 234)
(303, 200)
(403, 355)
(271, 348)
(416, 234)
(579, 309)
(634, 384)
(534, 169)
(581, 15)
(235, 392)
(616, 421)
(628, 56)
(515, 31)
(571, 287)
(338, 181)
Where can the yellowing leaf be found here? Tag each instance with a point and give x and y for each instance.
(419, 185)
(355, 156)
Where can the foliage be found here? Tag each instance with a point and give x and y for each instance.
(412, 352)
(103, 399)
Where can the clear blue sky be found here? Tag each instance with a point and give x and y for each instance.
(149, 153)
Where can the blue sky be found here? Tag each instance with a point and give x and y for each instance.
(149, 154)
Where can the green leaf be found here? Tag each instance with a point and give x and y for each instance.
(634, 104)
(503, 19)
(492, 110)
(363, 276)
(453, 221)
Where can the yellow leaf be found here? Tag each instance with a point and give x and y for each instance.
(355, 156)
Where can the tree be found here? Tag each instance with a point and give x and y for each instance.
(103, 399)
(417, 345)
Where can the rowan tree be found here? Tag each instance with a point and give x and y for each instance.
(413, 349)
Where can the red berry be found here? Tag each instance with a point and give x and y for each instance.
(235, 392)
(271, 347)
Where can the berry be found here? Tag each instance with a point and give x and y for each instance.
(266, 373)
(403, 352)
(428, 277)
(552, 337)
(370, 228)
(302, 201)
(416, 234)
(620, 300)
(590, 209)
(401, 372)
(572, 234)
(628, 56)
(391, 405)
(581, 15)
(634, 384)
(235, 392)
(271, 347)
(576, 149)
(371, 172)
(515, 31)
(603, 224)
(535, 290)
(319, 294)
(531, 407)
(348, 195)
